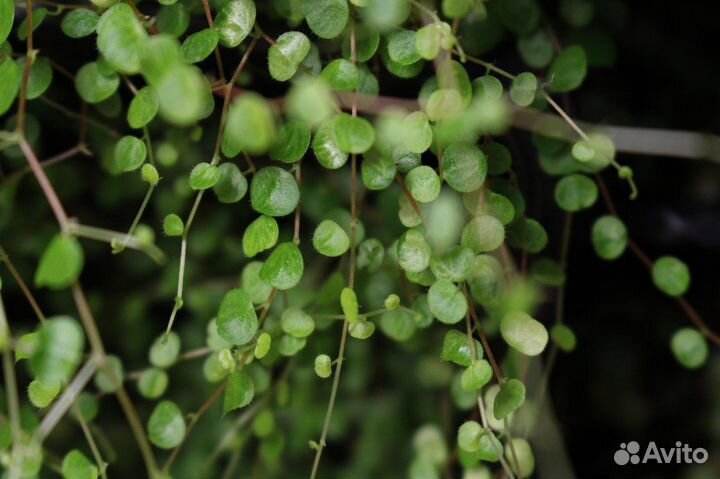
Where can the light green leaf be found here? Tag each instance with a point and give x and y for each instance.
(423, 183)
(173, 19)
(609, 237)
(341, 75)
(520, 449)
(41, 75)
(143, 107)
(510, 398)
(7, 16)
(671, 276)
(237, 321)
(250, 281)
(377, 171)
(447, 303)
(353, 134)
(274, 192)
(323, 366)
(184, 95)
(198, 46)
(78, 23)
(239, 392)
(464, 167)
(309, 100)
(76, 466)
(39, 15)
(469, 434)
(563, 337)
(483, 234)
(159, 56)
(417, 134)
(121, 38)
(456, 348)
(153, 383)
(10, 78)
(367, 40)
(524, 333)
(326, 18)
(536, 49)
(59, 350)
(173, 225)
(130, 153)
(689, 347)
(296, 322)
(568, 70)
(166, 427)
(41, 393)
(477, 375)
(260, 235)
(204, 176)
(398, 324)
(361, 329)
(284, 268)
(575, 192)
(262, 346)
(523, 88)
(401, 47)
(413, 251)
(330, 239)
(291, 143)
(454, 264)
(107, 382)
(165, 350)
(527, 234)
(60, 264)
(349, 305)
(232, 185)
(457, 8)
(290, 345)
(286, 54)
(235, 21)
(326, 149)
(250, 125)
(94, 84)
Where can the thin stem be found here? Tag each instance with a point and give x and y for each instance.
(298, 180)
(211, 24)
(115, 237)
(26, 73)
(21, 283)
(45, 185)
(82, 117)
(483, 339)
(67, 154)
(101, 464)
(13, 403)
(136, 220)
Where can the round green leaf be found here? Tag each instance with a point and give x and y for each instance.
(457, 8)
(609, 237)
(349, 305)
(568, 70)
(523, 88)
(527, 234)
(59, 350)
(165, 350)
(477, 375)
(173, 225)
(341, 75)
(671, 276)
(198, 46)
(296, 322)
(232, 185)
(7, 16)
(510, 398)
(536, 49)
(110, 382)
(260, 235)
(173, 19)
(353, 134)
(130, 153)
(370, 254)
(413, 251)
(456, 348)
(524, 333)
(427, 40)
(443, 103)
(274, 192)
(323, 366)
(41, 394)
(121, 38)
(468, 437)
(239, 392)
(417, 134)
(689, 347)
(204, 176)
(548, 272)
(290, 345)
(10, 79)
(423, 183)
(487, 87)
(367, 40)
(237, 322)
(250, 281)
(447, 303)
(326, 149)
(377, 171)
(159, 56)
(284, 268)
(398, 324)
(250, 125)
(520, 16)
(166, 427)
(401, 47)
(76, 466)
(60, 264)
(94, 84)
(184, 95)
(330, 239)
(326, 18)
(143, 108)
(291, 143)
(235, 21)
(152, 383)
(575, 192)
(464, 167)
(483, 234)
(520, 449)
(361, 329)
(262, 346)
(39, 15)
(454, 264)
(563, 337)
(286, 54)
(41, 75)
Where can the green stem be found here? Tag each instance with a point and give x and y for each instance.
(115, 237)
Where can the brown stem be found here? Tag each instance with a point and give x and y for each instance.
(21, 283)
(26, 73)
(44, 183)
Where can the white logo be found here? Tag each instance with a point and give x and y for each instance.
(680, 454)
